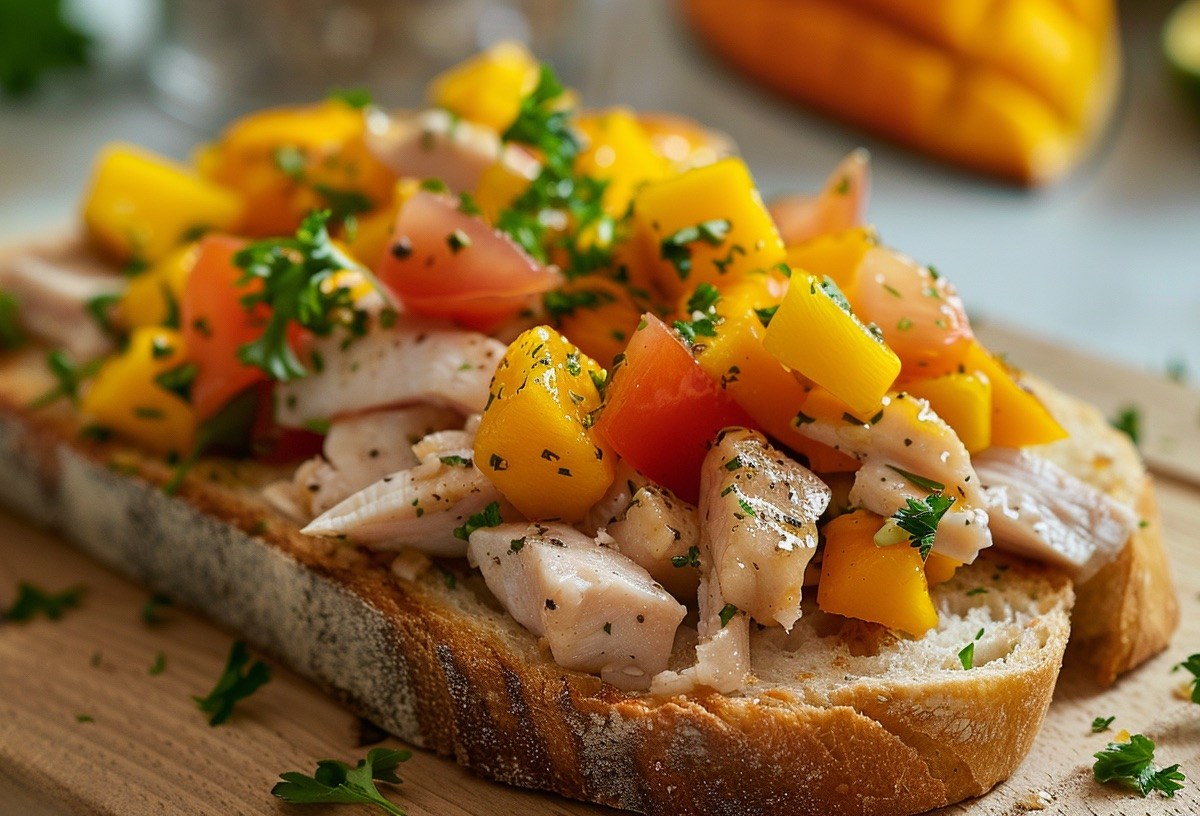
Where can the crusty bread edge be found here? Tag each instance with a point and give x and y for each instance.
(397, 653)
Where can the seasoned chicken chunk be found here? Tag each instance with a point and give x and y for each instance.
(760, 512)
(598, 611)
(1039, 510)
(905, 451)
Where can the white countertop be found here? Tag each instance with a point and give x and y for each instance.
(1108, 261)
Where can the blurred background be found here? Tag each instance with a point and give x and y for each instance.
(1106, 259)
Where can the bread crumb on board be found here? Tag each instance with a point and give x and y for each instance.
(1036, 800)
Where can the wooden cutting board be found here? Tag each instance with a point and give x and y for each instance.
(147, 751)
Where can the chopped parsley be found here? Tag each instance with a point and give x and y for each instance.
(1129, 422)
(1192, 666)
(1101, 724)
(178, 380)
(692, 559)
(70, 377)
(966, 656)
(727, 613)
(152, 606)
(158, 666)
(488, 517)
(33, 601)
(916, 480)
(702, 310)
(458, 241)
(336, 783)
(766, 315)
(455, 461)
(100, 309)
(1131, 764)
(357, 98)
(559, 304)
(237, 682)
(295, 275)
(677, 250)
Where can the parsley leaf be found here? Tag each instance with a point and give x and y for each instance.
(692, 559)
(151, 607)
(32, 601)
(1129, 422)
(1191, 665)
(336, 782)
(726, 614)
(702, 309)
(559, 304)
(233, 684)
(966, 656)
(488, 517)
(35, 37)
(357, 98)
(919, 520)
(69, 375)
(676, 248)
(100, 309)
(12, 335)
(916, 480)
(1132, 764)
(1101, 724)
(296, 274)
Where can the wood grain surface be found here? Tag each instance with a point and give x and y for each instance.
(150, 752)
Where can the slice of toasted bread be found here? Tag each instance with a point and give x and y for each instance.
(842, 718)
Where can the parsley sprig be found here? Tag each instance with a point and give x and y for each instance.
(488, 517)
(1132, 764)
(296, 283)
(916, 522)
(237, 682)
(335, 782)
(702, 313)
(1192, 666)
(676, 248)
(32, 601)
(70, 376)
(36, 37)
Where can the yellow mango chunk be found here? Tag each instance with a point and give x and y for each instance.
(619, 151)
(488, 87)
(814, 333)
(498, 185)
(142, 206)
(884, 585)
(153, 297)
(595, 314)
(534, 442)
(128, 397)
(285, 162)
(708, 225)
(835, 256)
(964, 401)
(1018, 417)
(939, 569)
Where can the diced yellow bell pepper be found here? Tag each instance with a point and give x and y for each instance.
(534, 442)
(596, 314)
(488, 87)
(285, 162)
(884, 585)
(835, 256)
(740, 236)
(939, 569)
(498, 185)
(142, 206)
(620, 152)
(153, 297)
(1018, 417)
(128, 398)
(814, 334)
(964, 401)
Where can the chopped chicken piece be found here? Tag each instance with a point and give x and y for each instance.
(54, 303)
(909, 440)
(418, 508)
(1039, 510)
(415, 362)
(723, 652)
(363, 448)
(598, 611)
(760, 512)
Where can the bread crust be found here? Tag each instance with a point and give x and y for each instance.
(408, 655)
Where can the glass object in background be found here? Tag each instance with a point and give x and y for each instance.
(221, 58)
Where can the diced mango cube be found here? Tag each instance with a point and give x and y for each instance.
(619, 151)
(142, 206)
(814, 332)
(153, 297)
(884, 585)
(488, 87)
(708, 225)
(835, 256)
(1018, 417)
(939, 568)
(130, 394)
(534, 442)
(964, 401)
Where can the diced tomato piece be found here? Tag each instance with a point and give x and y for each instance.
(840, 206)
(662, 410)
(443, 262)
(215, 325)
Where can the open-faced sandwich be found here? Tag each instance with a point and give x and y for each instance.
(534, 435)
